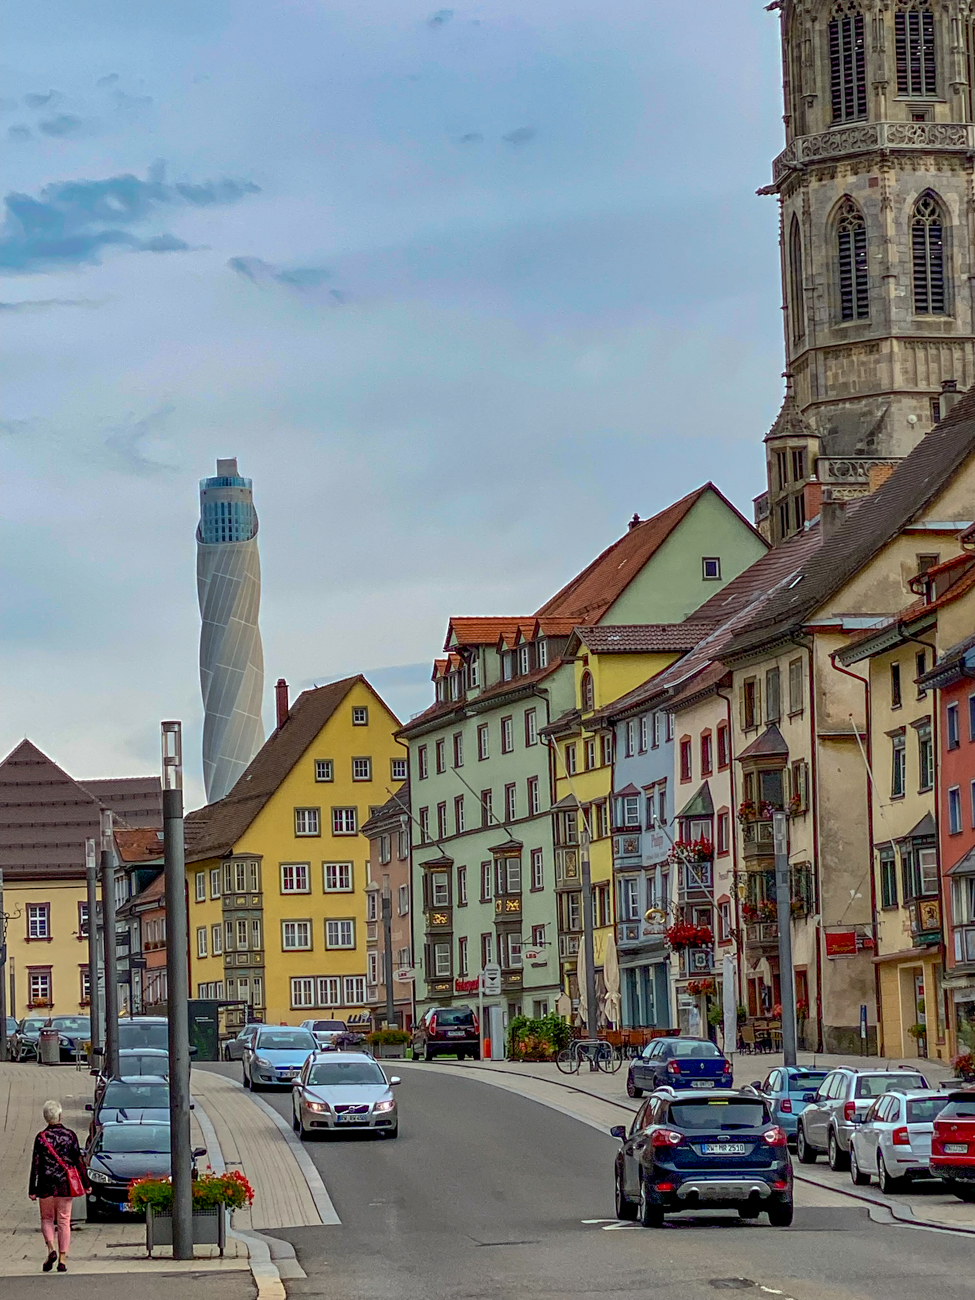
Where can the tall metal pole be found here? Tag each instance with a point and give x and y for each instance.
(587, 938)
(108, 944)
(783, 905)
(91, 880)
(3, 977)
(177, 979)
(388, 952)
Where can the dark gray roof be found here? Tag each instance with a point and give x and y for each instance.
(643, 638)
(770, 744)
(700, 804)
(395, 807)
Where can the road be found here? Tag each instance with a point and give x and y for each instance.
(486, 1194)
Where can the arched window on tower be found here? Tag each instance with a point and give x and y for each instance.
(588, 695)
(914, 52)
(847, 63)
(796, 295)
(851, 249)
(928, 255)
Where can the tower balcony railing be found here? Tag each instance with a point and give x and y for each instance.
(845, 470)
(867, 137)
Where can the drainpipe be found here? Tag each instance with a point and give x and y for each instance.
(807, 645)
(739, 955)
(875, 924)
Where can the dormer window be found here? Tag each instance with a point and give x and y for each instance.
(473, 674)
(441, 690)
(541, 653)
(507, 666)
(524, 660)
(455, 686)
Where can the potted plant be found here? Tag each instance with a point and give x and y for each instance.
(213, 1195)
(747, 810)
(684, 935)
(919, 1033)
(388, 1043)
(965, 1065)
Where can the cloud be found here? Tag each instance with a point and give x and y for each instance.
(472, 137)
(440, 18)
(63, 124)
(132, 107)
(42, 101)
(519, 136)
(72, 223)
(19, 132)
(109, 80)
(47, 304)
(258, 271)
(125, 443)
(7, 105)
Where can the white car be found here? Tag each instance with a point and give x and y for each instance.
(347, 1090)
(326, 1032)
(893, 1140)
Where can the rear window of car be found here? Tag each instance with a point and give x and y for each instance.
(71, 1023)
(297, 1040)
(322, 1025)
(924, 1110)
(711, 1113)
(132, 1096)
(807, 1082)
(138, 1035)
(136, 1064)
(692, 1050)
(454, 1016)
(875, 1085)
(958, 1110)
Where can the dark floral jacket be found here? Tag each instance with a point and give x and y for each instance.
(47, 1177)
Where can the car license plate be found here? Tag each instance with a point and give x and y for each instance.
(455, 1033)
(724, 1148)
(352, 1119)
(702, 1083)
(956, 1148)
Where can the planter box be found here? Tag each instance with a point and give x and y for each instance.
(209, 1228)
(390, 1051)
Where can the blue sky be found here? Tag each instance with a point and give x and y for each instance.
(462, 289)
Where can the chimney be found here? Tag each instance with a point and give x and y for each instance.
(633, 523)
(949, 396)
(281, 701)
(830, 515)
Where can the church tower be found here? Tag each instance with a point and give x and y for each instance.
(877, 235)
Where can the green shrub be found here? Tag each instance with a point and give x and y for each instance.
(387, 1037)
(537, 1038)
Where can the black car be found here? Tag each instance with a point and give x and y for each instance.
(443, 1030)
(144, 1031)
(23, 1045)
(678, 1063)
(716, 1152)
(116, 1154)
(74, 1033)
(133, 1064)
(140, 1100)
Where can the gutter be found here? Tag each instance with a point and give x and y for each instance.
(739, 954)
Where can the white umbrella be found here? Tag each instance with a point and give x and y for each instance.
(611, 978)
(581, 980)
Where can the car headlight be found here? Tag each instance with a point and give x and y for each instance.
(384, 1105)
(97, 1177)
(262, 1062)
(320, 1106)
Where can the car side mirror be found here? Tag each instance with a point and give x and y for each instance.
(89, 1106)
(756, 1084)
(809, 1096)
(198, 1152)
(618, 1131)
(395, 1080)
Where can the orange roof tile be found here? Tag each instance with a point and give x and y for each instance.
(141, 844)
(481, 631)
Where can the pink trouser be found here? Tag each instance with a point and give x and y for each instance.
(60, 1207)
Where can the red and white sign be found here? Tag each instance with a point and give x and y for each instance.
(533, 954)
(406, 974)
(841, 943)
(466, 986)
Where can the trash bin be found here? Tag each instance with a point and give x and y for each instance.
(49, 1046)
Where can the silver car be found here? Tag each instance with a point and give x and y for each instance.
(234, 1048)
(347, 1091)
(894, 1139)
(326, 1032)
(275, 1055)
(844, 1097)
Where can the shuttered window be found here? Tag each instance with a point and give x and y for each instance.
(914, 51)
(928, 252)
(847, 65)
(851, 241)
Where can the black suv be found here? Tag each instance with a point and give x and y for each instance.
(446, 1030)
(718, 1151)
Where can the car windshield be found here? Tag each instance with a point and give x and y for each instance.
(72, 1023)
(30, 1025)
(133, 1034)
(694, 1050)
(875, 1085)
(454, 1016)
(134, 1138)
(924, 1109)
(336, 1073)
(713, 1113)
(296, 1040)
(132, 1096)
(806, 1082)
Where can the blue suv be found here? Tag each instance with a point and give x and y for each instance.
(678, 1063)
(688, 1152)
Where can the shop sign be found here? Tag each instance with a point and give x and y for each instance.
(841, 943)
(465, 985)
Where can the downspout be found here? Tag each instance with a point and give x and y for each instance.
(874, 921)
(814, 809)
(740, 954)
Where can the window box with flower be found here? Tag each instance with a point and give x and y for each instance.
(684, 935)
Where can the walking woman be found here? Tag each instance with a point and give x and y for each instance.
(57, 1175)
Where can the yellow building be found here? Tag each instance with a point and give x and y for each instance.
(277, 871)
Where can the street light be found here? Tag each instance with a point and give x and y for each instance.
(3, 976)
(94, 1009)
(108, 943)
(783, 912)
(177, 978)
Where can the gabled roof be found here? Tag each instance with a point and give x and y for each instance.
(770, 744)
(214, 830)
(700, 804)
(394, 808)
(640, 638)
(45, 817)
(137, 800)
(590, 593)
(878, 519)
(924, 830)
(957, 662)
(480, 631)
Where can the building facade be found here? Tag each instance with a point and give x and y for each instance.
(228, 577)
(388, 831)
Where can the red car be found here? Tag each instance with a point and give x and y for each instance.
(953, 1145)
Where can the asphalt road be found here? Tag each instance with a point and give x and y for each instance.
(486, 1194)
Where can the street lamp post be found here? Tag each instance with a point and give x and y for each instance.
(108, 944)
(91, 881)
(3, 976)
(388, 952)
(177, 979)
(783, 912)
(589, 947)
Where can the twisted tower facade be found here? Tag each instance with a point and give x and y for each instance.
(228, 576)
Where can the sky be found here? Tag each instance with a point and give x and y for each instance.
(462, 290)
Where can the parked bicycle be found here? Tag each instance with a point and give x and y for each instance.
(600, 1054)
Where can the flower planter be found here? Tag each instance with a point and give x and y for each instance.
(209, 1228)
(390, 1051)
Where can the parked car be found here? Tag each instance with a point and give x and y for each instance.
(24, 1043)
(234, 1048)
(11, 1026)
(116, 1154)
(350, 1090)
(450, 1030)
(74, 1032)
(893, 1140)
(276, 1055)
(846, 1094)
(692, 1152)
(953, 1144)
(134, 1063)
(678, 1063)
(788, 1090)
(140, 1100)
(145, 1031)
(327, 1032)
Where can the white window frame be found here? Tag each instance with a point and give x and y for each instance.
(360, 715)
(340, 933)
(201, 941)
(461, 886)
(483, 742)
(302, 991)
(462, 946)
(345, 820)
(308, 822)
(362, 769)
(403, 900)
(537, 869)
(372, 967)
(442, 964)
(301, 878)
(324, 769)
(534, 800)
(39, 987)
(216, 940)
(398, 769)
(296, 936)
(338, 877)
(354, 990)
(215, 882)
(38, 920)
(439, 889)
(201, 886)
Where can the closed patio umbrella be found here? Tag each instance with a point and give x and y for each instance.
(611, 978)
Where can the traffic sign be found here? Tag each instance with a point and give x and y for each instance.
(491, 979)
(406, 974)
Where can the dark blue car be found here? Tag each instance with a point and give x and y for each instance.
(678, 1063)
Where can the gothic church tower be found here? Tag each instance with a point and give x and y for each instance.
(877, 238)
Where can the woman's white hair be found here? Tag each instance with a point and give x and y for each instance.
(51, 1110)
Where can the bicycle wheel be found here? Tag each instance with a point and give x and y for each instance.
(567, 1061)
(610, 1059)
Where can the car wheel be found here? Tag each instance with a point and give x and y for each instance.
(295, 1122)
(391, 1132)
(625, 1208)
(886, 1181)
(303, 1134)
(964, 1191)
(650, 1215)
(857, 1177)
(780, 1215)
(806, 1153)
(838, 1159)
(631, 1089)
(247, 1082)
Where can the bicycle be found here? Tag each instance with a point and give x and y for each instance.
(600, 1054)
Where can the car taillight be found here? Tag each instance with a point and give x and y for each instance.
(665, 1137)
(786, 1106)
(849, 1110)
(775, 1137)
(673, 1067)
(900, 1137)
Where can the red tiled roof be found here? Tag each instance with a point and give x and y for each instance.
(481, 631)
(141, 844)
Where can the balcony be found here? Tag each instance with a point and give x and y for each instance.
(925, 914)
(695, 881)
(439, 918)
(762, 937)
(757, 840)
(964, 945)
(868, 137)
